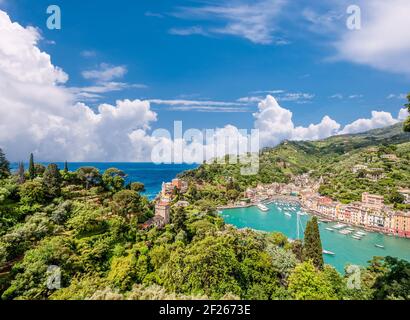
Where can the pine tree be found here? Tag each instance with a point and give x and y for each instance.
(31, 168)
(65, 167)
(179, 219)
(21, 177)
(4, 166)
(312, 248)
(52, 180)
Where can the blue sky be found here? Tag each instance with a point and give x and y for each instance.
(208, 63)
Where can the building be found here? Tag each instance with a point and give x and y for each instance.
(167, 189)
(401, 224)
(359, 167)
(182, 204)
(376, 219)
(181, 185)
(374, 201)
(390, 157)
(163, 209)
(374, 174)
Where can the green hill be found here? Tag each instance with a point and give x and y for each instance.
(333, 158)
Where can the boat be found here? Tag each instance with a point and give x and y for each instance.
(339, 226)
(345, 232)
(379, 246)
(357, 237)
(361, 233)
(330, 229)
(330, 253)
(262, 207)
(288, 214)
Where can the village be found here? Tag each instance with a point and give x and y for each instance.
(371, 213)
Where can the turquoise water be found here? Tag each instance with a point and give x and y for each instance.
(347, 250)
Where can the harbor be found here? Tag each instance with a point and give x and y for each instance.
(342, 244)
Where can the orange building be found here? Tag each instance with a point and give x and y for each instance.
(401, 224)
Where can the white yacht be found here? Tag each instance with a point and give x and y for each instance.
(262, 207)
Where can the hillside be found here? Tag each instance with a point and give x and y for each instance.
(333, 158)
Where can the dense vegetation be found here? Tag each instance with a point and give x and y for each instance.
(88, 225)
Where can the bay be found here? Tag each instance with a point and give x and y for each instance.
(347, 249)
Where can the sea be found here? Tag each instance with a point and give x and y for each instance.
(346, 249)
(150, 174)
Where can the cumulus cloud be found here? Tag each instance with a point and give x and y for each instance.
(39, 114)
(275, 124)
(379, 119)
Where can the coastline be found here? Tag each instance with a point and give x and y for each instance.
(296, 200)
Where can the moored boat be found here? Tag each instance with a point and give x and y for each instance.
(262, 207)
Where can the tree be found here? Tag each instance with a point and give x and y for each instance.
(307, 283)
(179, 219)
(66, 167)
(137, 187)
(39, 169)
(52, 181)
(312, 248)
(89, 176)
(113, 179)
(396, 197)
(4, 166)
(127, 203)
(21, 177)
(279, 239)
(407, 122)
(31, 168)
(297, 249)
(32, 192)
(395, 282)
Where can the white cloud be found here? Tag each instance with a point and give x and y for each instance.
(200, 105)
(188, 31)
(105, 72)
(379, 119)
(403, 114)
(252, 99)
(88, 53)
(275, 124)
(39, 114)
(280, 95)
(252, 20)
(94, 92)
(397, 96)
(383, 41)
